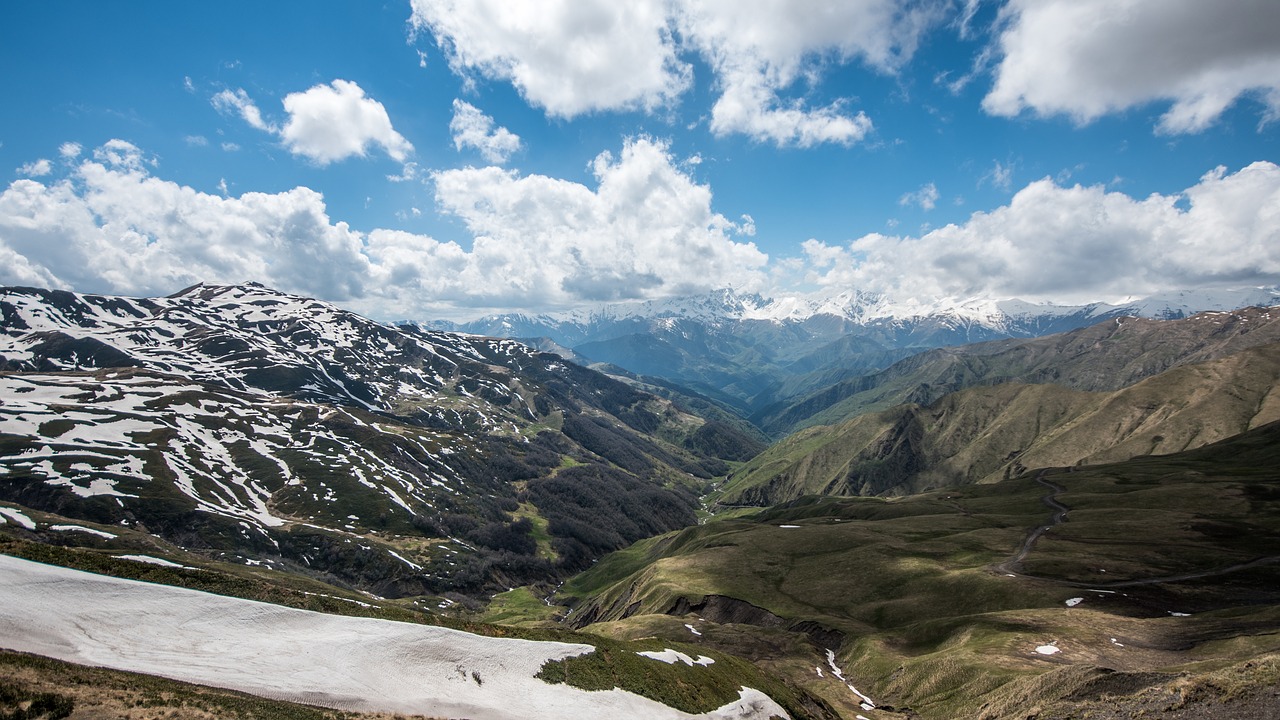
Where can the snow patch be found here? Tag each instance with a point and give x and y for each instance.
(671, 657)
(356, 664)
(18, 517)
(83, 529)
(152, 561)
(1050, 649)
(1074, 602)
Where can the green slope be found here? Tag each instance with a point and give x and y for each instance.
(913, 596)
(989, 433)
(1107, 356)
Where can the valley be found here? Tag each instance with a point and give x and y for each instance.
(1025, 526)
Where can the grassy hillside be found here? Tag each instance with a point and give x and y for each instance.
(1107, 356)
(989, 433)
(1173, 560)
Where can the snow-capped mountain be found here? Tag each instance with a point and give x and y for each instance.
(749, 351)
(275, 427)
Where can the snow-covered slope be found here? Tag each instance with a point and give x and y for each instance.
(269, 426)
(342, 662)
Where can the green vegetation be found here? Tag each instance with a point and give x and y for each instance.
(38, 688)
(1107, 356)
(985, 434)
(691, 688)
(520, 607)
(910, 593)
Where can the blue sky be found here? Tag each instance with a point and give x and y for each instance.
(452, 158)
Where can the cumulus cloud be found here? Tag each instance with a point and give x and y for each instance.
(1088, 58)
(326, 123)
(644, 230)
(472, 128)
(36, 168)
(1078, 244)
(569, 58)
(760, 48)
(111, 227)
(336, 121)
(69, 150)
(574, 58)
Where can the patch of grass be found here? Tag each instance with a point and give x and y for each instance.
(520, 607)
(693, 689)
(55, 688)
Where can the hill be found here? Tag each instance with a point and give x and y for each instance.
(987, 433)
(1158, 580)
(1104, 356)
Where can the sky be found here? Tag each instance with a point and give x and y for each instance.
(427, 159)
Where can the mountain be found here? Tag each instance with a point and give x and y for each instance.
(247, 423)
(1105, 356)
(751, 353)
(986, 433)
(1149, 584)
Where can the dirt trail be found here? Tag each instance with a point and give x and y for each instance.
(1013, 566)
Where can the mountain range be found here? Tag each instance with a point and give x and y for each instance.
(822, 505)
(752, 353)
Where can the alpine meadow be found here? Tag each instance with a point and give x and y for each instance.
(861, 360)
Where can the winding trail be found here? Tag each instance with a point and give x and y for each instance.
(1013, 566)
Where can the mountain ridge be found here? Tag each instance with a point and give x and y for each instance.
(269, 426)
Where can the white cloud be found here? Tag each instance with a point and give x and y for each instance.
(111, 227)
(1001, 175)
(239, 103)
(230, 147)
(409, 172)
(1079, 244)
(646, 229)
(591, 55)
(760, 48)
(69, 150)
(569, 58)
(196, 140)
(187, 84)
(326, 123)
(1088, 58)
(37, 168)
(926, 198)
(472, 128)
(336, 121)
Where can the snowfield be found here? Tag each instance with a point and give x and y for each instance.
(300, 656)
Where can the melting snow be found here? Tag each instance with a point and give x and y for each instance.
(151, 561)
(671, 657)
(1074, 602)
(81, 528)
(1050, 649)
(788, 526)
(692, 629)
(347, 663)
(867, 703)
(18, 517)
